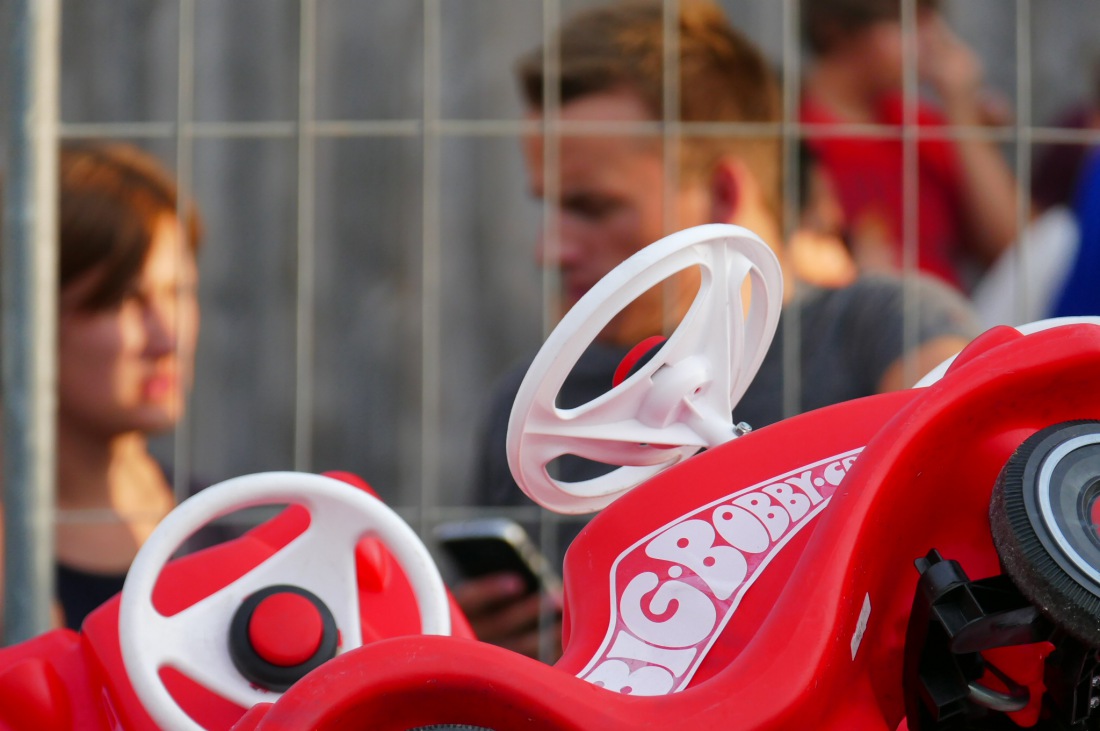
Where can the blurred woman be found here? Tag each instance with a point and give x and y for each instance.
(128, 322)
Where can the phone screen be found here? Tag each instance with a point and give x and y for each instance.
(483, 547)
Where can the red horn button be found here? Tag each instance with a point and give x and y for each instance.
(631, 360)
(286, 629)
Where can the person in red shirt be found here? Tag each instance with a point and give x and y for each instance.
(965, 193)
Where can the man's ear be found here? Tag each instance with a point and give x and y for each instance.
(736, 197)
(727, 190)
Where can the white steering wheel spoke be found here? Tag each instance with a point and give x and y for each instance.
(188, 645)
(321, 560)
(678, 402)
(722, 332)
(602, 449)
(614, 416)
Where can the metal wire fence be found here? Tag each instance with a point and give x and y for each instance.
(368, 268)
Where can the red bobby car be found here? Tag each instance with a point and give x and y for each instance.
(927, 559)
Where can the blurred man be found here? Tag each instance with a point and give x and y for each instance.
(612, 200)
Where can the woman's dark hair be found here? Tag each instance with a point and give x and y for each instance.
(112, 197)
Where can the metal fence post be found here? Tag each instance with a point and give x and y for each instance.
(29, 284)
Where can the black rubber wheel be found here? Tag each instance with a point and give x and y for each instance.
(1045, 519)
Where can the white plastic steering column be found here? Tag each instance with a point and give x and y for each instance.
(678, 402)
(321, 560)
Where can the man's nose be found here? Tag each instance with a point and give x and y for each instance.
(560, 246)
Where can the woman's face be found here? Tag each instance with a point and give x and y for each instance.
(128, 367)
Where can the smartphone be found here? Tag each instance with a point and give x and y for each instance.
(493, 545)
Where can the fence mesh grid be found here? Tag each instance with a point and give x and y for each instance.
(368, 268)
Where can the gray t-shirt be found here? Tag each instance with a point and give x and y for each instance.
(848, 337)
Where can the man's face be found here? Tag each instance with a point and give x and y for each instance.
(612, 202)
(881, 49)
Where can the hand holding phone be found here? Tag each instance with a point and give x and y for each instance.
(488, 546)
(509, 593)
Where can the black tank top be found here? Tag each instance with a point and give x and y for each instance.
(79, 592)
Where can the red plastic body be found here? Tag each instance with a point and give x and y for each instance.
(794, 621)
(69, 680)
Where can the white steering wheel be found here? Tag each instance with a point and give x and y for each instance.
(321, 560)
(1028, 328)
(678, 402)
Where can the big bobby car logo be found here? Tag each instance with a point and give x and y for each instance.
(704, 562)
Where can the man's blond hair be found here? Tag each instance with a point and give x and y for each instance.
(723, 79)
